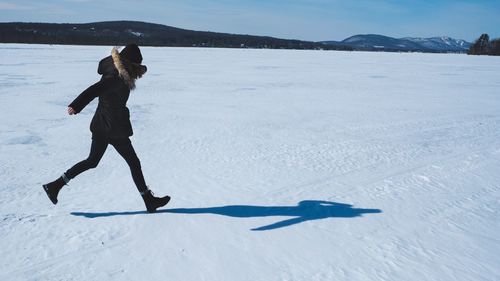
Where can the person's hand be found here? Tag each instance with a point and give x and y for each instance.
(71, 111)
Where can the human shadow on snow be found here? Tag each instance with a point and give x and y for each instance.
(307, 210)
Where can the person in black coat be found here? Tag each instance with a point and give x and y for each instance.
(111, 121)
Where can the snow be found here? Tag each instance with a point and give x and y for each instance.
(281, 164)
(136, 33)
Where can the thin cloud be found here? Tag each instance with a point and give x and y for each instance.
(79, 1)
(6, 6)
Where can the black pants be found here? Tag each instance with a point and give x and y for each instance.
(124, 148)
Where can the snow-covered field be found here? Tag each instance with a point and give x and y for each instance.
(282, 165)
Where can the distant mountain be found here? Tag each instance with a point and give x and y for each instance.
(374, 42)
(142, 33)
(148, 34)
(445, 44)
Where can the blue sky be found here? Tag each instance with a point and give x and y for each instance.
(298, 19)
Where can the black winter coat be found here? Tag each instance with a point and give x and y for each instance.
(112, 117)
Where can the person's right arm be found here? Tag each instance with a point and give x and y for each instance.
(86, 97)
(71, 111)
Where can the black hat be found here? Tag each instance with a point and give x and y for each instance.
(132, 53)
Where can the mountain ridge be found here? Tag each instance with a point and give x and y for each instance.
(152, 34)
(143, 33)
(376, 42)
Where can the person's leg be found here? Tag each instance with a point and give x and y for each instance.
(124, 147)
(97, 150)
(126, 150)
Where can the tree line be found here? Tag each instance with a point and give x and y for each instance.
(144, 34)
(483, 46)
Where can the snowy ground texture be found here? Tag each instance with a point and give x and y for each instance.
(282, 165)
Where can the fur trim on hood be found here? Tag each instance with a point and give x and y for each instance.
(128, 71)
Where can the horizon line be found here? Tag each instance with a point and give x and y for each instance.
(328, 40)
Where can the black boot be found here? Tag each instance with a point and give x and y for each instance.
(52, 189)
(152, 202)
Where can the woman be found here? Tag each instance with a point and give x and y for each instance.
(111, 122)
